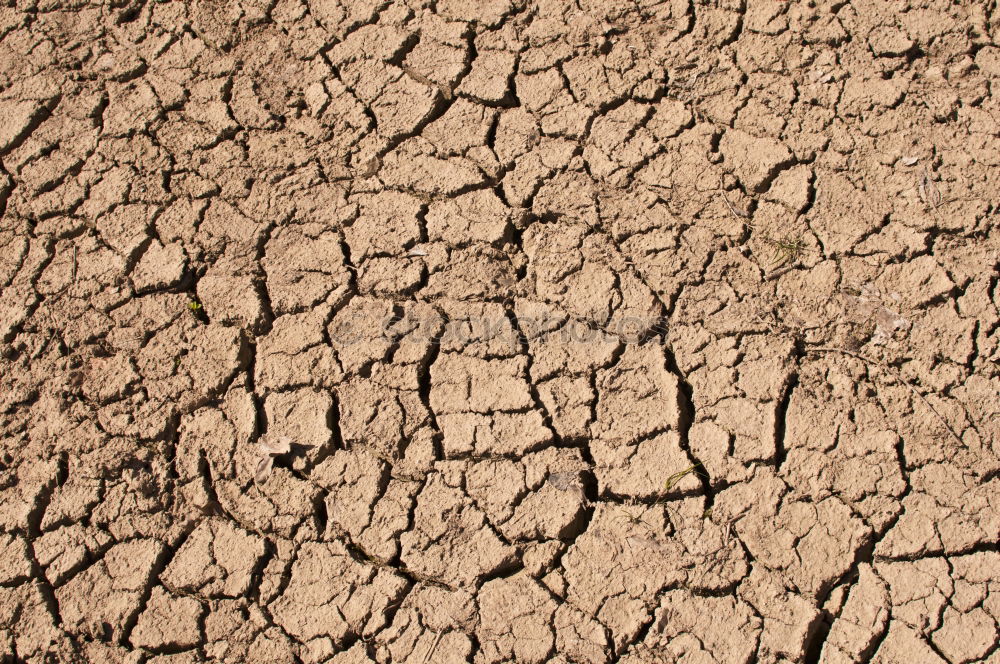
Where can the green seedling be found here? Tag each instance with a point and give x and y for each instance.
(634, 519)
(194, 306)
(674, 479)
(786, 250)
(678, 476)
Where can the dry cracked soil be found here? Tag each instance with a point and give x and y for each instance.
(443, 331)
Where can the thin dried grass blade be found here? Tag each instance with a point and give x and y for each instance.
(650, 545)
(417, 76)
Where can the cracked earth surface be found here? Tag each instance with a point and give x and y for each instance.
(499, 331)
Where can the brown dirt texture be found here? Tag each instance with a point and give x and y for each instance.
(499, 331)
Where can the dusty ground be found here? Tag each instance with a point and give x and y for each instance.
(551, 332)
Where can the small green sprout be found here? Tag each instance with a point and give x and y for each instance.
(678, 476)
(786, 249)
(635, 519)
(194, 306)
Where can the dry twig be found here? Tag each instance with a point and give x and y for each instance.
(722, 192)
(433, 647)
